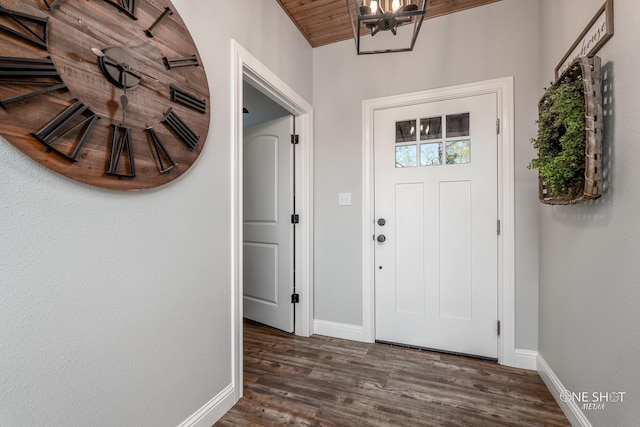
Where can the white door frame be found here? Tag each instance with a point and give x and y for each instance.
(245, 66)
(503, 88)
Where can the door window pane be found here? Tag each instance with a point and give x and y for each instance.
(406, 156)
(458, 152)
(431, 154)
(431, 128)
(406, 131)
(458, 125)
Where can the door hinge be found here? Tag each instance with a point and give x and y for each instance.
(295, 298)
(295, 139)
(498, 328)
(498, 126)
(499, 228)
(295, 219)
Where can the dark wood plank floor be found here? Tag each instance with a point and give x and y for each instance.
(321, 381)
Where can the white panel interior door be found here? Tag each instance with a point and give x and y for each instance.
(436, 283)
(268, 232)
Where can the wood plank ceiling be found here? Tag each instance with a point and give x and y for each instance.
(327, 21)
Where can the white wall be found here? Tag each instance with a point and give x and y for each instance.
(115, 306)
(589, 281)
(488, 42)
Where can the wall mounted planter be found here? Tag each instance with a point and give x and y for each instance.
(588, 71)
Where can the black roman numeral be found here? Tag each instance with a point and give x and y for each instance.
(183, 97)
(165, 162)
(189, 61)
(29, 71)
(68, 131)
(52, 4)
(29, 28)
(126, 6)
(182, 131)
(121, 150)
(149, 31)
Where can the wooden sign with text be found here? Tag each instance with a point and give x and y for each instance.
(592, 38)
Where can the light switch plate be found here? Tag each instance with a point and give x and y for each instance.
(344, 199)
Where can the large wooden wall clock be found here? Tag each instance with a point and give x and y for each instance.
(112, 93)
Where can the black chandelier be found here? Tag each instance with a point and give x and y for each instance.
(383, 18)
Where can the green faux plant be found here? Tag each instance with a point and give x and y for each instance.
(561, 137)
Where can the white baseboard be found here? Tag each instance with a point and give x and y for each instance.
(339, 330)
(213, 410)
(571, 409)
(526, 359)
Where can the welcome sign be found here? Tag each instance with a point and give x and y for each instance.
(594, 36)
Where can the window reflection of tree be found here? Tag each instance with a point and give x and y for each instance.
(406, 156)
(431, 154)
(458, 152)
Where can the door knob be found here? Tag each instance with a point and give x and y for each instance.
(381, 222)
(381, 238)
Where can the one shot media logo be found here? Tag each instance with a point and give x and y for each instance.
(595, 400)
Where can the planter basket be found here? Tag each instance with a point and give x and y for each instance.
(586, 69)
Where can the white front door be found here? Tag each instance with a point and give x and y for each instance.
(436, 283)
(267, 228)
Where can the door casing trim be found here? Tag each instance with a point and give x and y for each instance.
(503, 88)
(244, 66)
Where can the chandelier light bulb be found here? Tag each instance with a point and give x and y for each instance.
(374, 6)
(395, 5)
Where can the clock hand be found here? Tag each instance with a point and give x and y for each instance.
(134, 72)
(123, 99)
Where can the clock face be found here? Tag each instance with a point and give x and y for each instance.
(108, 92)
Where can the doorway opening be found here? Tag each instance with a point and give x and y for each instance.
(268, 211)
(247, 70)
